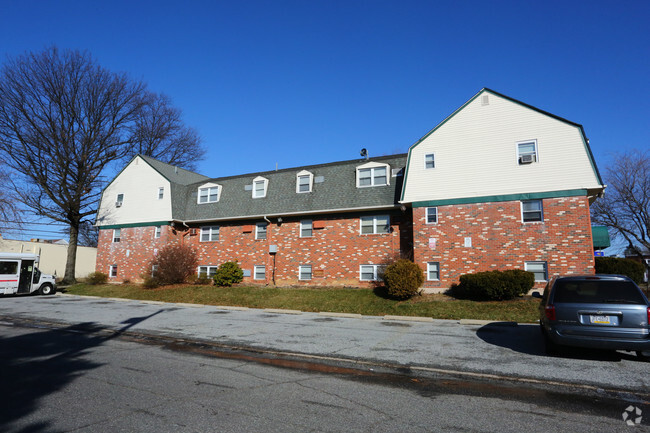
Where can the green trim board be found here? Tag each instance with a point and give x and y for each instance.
(585, 141)
(504, 197)
(124, 226)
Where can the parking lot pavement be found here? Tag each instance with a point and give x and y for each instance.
(478, 349)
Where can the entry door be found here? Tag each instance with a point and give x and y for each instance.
(9, 276)
(26, 271)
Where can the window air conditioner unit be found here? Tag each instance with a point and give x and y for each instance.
(118, 204)
(526, 159)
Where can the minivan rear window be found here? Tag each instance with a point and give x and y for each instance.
(597, 292)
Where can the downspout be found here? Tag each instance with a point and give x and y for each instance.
(267, 238)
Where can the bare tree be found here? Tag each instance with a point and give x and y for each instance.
(10, 214)
(88, 235)
(161, 134)
(63, 119)
(625, 208)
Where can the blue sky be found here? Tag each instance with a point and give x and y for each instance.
(305, 82)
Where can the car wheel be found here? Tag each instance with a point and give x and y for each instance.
(47, 289)
(549, 346)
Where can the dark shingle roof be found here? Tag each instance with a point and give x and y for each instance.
(172, 173)
(336, 192)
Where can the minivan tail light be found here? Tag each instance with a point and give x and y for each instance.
(648, 316)
(550, 312)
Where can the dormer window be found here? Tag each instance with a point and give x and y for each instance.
(260, 185)
(304, 181)
(372, 174)
(208, 193)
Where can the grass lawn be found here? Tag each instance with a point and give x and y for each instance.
(361, 301)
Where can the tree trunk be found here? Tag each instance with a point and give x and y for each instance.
(71, 262)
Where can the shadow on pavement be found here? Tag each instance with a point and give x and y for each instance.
(526, 338)
(43, 362)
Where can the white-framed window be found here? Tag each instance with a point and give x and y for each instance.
(306, 228)
(209, 233)
(432, 215)
(259, 272)
(208, 271)
(433, 271)
(304, 272)
(117, 235)
(540, 269)
(370, 272)
(157, 232)
(119, 200)
(532, 211)
(161, 193)
(372, 174)
(429, 160)
(260, 185)
(208, 193)
(154, 269)
(260, 230)
(112, 271)
(527, 152)
(304, 181)
(376, 224)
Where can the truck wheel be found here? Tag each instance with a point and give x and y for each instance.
(47, 289)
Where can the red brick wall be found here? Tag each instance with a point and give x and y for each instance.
(500, 240)
(335, 251)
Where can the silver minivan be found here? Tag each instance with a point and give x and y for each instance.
(595, 311)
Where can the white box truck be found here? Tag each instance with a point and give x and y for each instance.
(19, 275)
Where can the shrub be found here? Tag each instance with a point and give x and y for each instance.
(403, 279)
(149, 282)
(202, 279)
(494, 285)
(175, 263)
(95, 278)
(227, 274)
(627, 267)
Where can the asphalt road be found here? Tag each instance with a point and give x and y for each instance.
(86, 379)
(502, 363)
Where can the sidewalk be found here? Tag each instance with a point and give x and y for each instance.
(507, 350)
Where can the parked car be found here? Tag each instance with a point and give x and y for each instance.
(595, 311)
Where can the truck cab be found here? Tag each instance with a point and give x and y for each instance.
(19, 274)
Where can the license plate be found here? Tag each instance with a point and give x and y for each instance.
(601, 320)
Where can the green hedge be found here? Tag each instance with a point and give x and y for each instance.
(494, 285)
(227, 274)
(403, 279)
(627, 267)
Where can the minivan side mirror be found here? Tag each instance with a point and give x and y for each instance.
(536, 295)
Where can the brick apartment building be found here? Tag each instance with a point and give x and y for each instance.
(498, 184)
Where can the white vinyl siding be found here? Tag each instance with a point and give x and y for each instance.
(377, 224)
(478, 145)
(209, 233)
